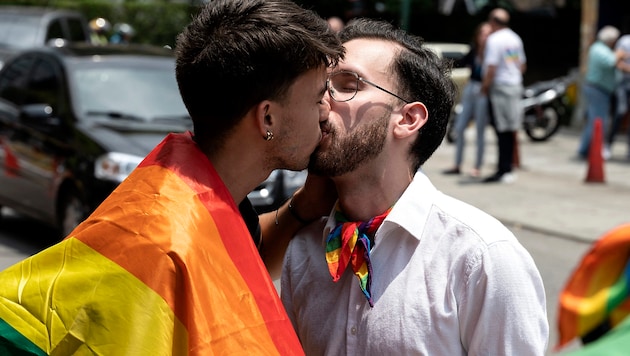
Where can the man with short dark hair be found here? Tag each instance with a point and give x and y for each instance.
(166, 264)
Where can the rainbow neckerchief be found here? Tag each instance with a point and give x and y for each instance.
(350, 243)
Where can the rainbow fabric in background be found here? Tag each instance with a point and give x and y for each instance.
(165, 266)
(597, 291)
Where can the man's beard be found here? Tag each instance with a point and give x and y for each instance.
(345, 154)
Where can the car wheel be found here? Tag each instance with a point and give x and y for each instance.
(72, 211)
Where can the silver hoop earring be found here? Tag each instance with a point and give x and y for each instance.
(269, 136)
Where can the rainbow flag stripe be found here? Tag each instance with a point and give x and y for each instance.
(165, 266)
(599, 287)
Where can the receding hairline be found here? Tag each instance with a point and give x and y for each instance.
(500, 14)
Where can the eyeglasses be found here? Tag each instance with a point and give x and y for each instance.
(343, 86)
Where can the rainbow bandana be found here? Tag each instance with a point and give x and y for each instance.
(597, 291)
(164, 266)
(350, 243)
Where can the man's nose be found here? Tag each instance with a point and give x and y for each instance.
(325, 108)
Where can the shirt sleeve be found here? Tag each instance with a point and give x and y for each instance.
(492, 55)
(503, 309)
(286, 292)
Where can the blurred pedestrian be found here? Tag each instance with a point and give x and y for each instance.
(398, 268)
(599, 83)
(504, 65)
(167, 265)
(123, 33)
(474, 104)
(336, 23)
(622, 95)
(99, 28)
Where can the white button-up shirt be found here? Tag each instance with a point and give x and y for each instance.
(448, 279)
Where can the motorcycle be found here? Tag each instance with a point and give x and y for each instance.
(546, 105)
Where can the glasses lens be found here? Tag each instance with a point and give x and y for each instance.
(343, 85)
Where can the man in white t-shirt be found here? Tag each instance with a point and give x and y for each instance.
(504, 65)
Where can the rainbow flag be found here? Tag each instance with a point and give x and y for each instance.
(164, 266)
(598, 289)
(615, 342)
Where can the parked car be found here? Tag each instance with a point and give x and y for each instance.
(76, 120)
(454, 52)
(279, 186)
(24, 27)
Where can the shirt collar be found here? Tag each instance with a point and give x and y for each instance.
(409, 212)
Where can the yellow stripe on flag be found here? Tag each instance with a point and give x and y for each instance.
(179, 242)
(52, 302)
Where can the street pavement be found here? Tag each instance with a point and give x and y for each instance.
(551, 193)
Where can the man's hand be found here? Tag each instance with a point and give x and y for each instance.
(309, 203)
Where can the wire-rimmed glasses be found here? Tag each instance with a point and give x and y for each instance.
(343, 86)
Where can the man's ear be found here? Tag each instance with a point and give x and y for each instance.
(264, 118)
(413, 117)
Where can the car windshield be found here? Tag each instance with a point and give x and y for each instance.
(18, 31)
(145, 93)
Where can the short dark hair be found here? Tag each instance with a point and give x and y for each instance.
(237, 53)
(421, 76)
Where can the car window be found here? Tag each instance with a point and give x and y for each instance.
(55, 30)
(77, 32)
(453, 55)
(13, 80)
(148, 93)
(18, 31)
(44, 86)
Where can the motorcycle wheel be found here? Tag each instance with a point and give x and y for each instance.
(541, 124)
(451, 135)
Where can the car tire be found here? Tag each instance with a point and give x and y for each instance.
(72, 211)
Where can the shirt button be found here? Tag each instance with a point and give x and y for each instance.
(353, 330)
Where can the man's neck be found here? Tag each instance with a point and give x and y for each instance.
(363, 195)
(240, 167)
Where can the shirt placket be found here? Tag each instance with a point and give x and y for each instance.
(355, 305)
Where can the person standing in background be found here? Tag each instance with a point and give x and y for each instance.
(504, 65)
(474, 103)
(599, 83)
(622, 94)
(123, 34)
(99, 27)
(336, 23)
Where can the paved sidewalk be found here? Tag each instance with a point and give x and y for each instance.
(551, 194)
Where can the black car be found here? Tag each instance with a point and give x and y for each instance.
(278, 187)
(76, 120)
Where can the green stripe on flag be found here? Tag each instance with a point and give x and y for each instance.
(14, 343)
